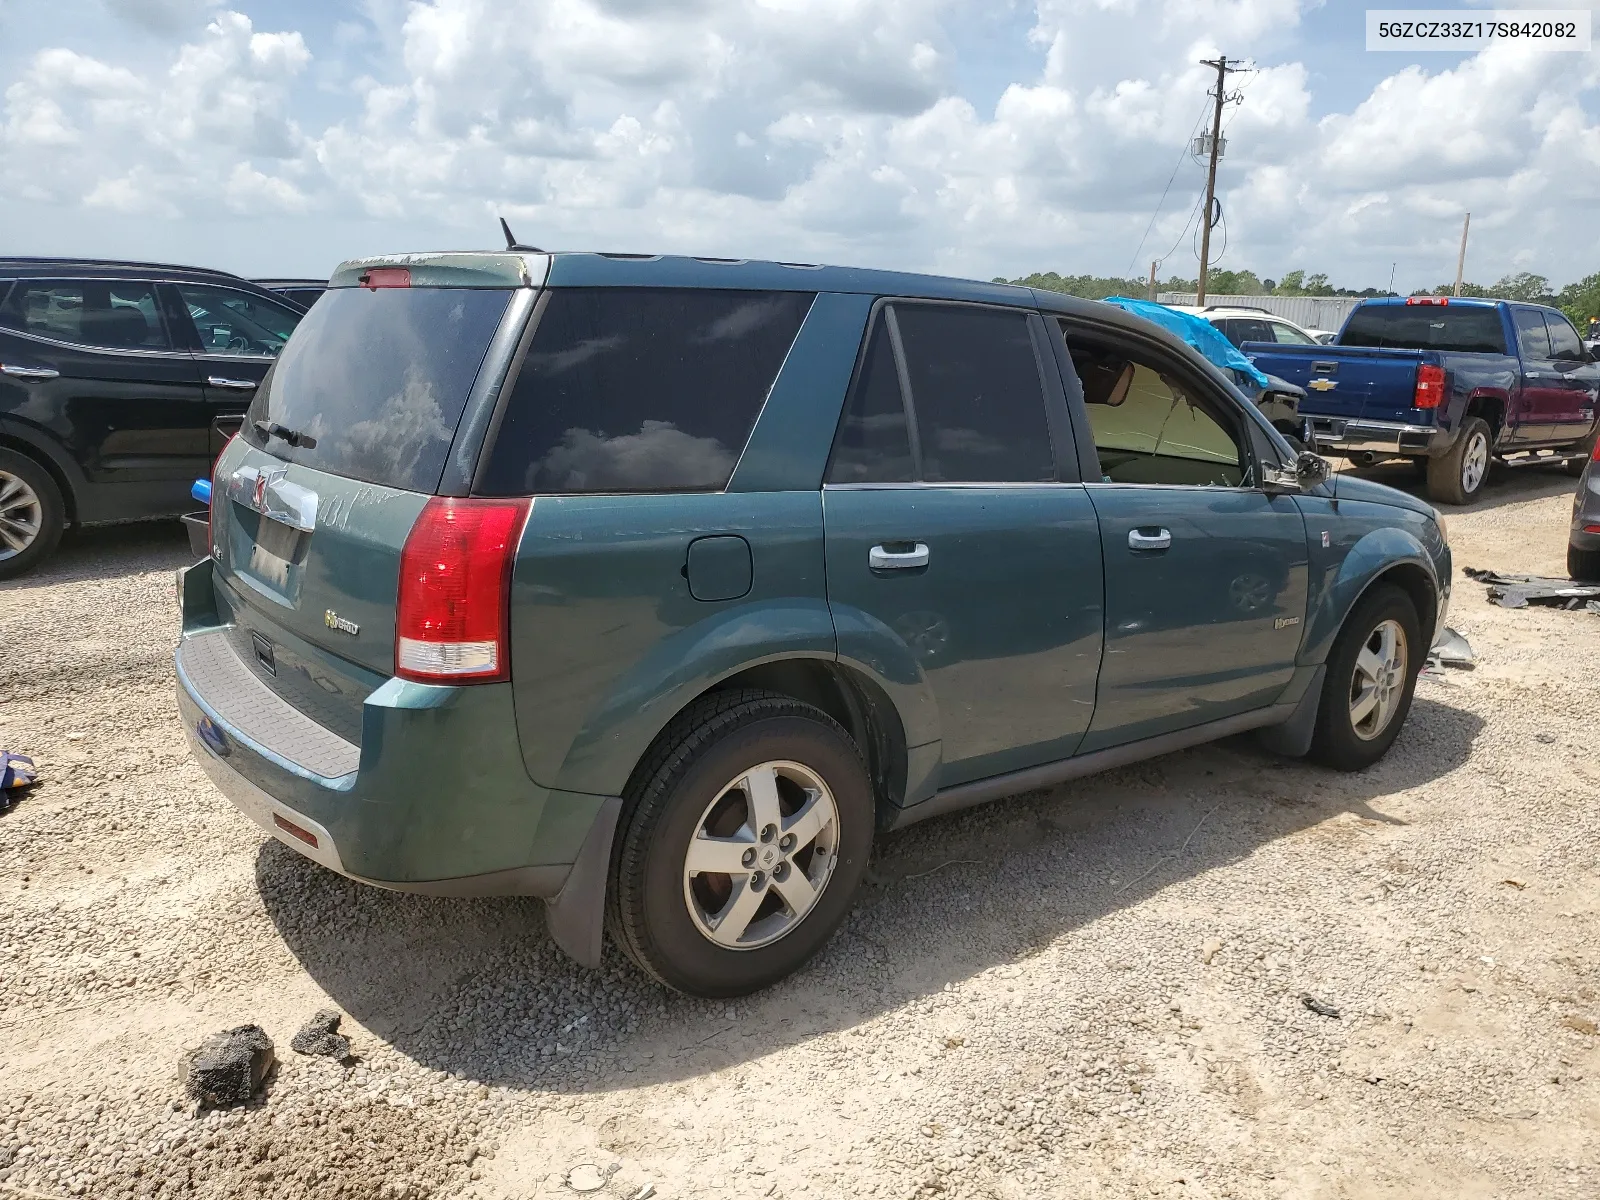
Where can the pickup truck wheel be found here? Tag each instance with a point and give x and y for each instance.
(1583, 452)
(1583, 565)
(31, 514)
(1372, 673)
(746, 834)
(1458, 476)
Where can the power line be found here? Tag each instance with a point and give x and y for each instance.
(1181, 153)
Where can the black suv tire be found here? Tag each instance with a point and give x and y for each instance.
(18, 468)
(1337, 742)
(689, 781)
(1583, 565)
(1445, 482)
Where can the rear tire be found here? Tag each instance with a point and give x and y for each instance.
(1458, 476)
(1583, 565)
(1367, 691)
(32, 515)
(730, 779)
(1584, 451)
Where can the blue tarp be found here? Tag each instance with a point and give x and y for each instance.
(1198, 332)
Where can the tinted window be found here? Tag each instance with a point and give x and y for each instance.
(1472, 329)
(379, 378)
(1288, 335)
(1564, 340)
(874, 444)
(976, 393)
(1532, 340)
(91, 312)
(1149, 429)
(231, 322)
(1248, 329)
(640, 390)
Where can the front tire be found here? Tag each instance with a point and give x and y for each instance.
(745, 836)
(32, 515)
(1372, 674)
(1458, 476)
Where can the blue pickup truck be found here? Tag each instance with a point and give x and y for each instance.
(1451, 384)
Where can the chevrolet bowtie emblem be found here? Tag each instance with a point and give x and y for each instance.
(1322, 385)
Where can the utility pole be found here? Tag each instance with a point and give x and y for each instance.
(1224, 65)
(1461, 259)
(1152, 288)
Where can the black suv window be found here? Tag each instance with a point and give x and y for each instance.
(234, 322)
(640, 390)
(976, 393)
(115, 314)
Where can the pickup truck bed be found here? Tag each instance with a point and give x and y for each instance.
(1450, 383)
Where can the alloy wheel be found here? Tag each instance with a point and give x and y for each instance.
(1475, 462)
(21, 515)
(1379, 680)
(762, 853)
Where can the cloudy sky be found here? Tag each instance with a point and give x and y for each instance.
(974, 137)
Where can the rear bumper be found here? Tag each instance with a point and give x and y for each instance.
(1355, 436)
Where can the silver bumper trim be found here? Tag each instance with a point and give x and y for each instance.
(1353, 436)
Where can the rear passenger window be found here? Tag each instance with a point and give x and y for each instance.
(874, 442)
(976, 394)
(1532, 340)
(640, 390)
(113, 314)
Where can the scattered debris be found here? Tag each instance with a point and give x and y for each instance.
(1450, 649)
(1321, 1008)
(228, 1067)
(1581, 1025)
(586, 1177)
(16, 776)
(1519, 884)
(320, 1036)
(1519, 591)
(1547, 738)
(1212, 947)
(645, 1192)
(954, 1043)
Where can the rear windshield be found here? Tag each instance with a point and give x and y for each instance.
(379, 379)
(640, 390)
(1468, 329)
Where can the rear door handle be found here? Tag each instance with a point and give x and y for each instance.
(881, 558)
(1159, 540)
(17, 372)
(238, 385)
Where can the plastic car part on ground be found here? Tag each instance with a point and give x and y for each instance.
(16, 776)
(1519, 591)
(1197, 331)
(201, 490)
(1450, 649)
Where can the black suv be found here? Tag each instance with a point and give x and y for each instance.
(119, 384)
(303, 292)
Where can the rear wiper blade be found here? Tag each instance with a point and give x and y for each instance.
(271, 429)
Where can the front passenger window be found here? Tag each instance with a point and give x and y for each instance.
(1149, 429)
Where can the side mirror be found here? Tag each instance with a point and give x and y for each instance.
(1306, 472)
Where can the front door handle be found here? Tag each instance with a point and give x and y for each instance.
(17, 372)
(1138, 539)
(881, 558)
(238, 385)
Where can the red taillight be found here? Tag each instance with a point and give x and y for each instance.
(455, 591)
(1594, 455)
(386, 277)
(216, 498)
(1430, 386)
(1427, 299)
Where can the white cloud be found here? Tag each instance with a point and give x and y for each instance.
(818, 129)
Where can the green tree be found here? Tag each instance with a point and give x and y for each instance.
(1524, 286)
(1293, 284)
(1581, 300)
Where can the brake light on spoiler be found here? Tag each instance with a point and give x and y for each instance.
(386, 277)
(454, 614)
(1427, 299)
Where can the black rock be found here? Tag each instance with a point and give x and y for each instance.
(228, 1067)
(320, 1036)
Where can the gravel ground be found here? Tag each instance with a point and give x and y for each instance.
(1094, 990)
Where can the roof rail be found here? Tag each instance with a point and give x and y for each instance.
(46, 260)
(1239, 307)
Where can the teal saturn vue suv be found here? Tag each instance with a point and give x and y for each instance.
(658, 587)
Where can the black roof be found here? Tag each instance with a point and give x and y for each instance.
(291, 283)
(108, 268)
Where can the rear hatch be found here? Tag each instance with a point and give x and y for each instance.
(1342, 381)
(373, 405)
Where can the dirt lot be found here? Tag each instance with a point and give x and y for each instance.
(1094, 990)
